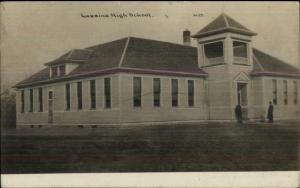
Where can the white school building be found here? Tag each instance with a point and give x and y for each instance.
(137, 81)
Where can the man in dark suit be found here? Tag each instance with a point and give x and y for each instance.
(238, 113)
(270, 112)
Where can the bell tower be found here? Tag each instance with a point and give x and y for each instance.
(225, 53)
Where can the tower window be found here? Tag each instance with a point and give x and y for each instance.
(240, 52)
(239, 49)
(214, 52)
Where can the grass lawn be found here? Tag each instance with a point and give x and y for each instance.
(167, 148)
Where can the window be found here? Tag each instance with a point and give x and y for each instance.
(240, 49)
(40, 99)
(67, 96)
(93, 94)
(191, 92)
(54, 71)
(31, 100)
(174, 92)
(50, 95)
(295, 93)
(137, 91)
(22, 102)
(79, 95)
(285, 92)
(62, 70)
(107, 92)
(156, 92)
(213, 50)
(274, 91)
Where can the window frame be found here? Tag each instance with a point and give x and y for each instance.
(193, 93)
(40, 99)
(79, 96)
(22, 101)
(107, 93)
(55, 67)
(206, 60)
(247, 47)
(60, 72)
(157, 102)
(139, 103)
(31, 96)
(295, 92)
(67, 96)
(285, 92)
(93, 100)
(274, 92)
(175, 93)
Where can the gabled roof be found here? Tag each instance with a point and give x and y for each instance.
(267, 65)
(223, 23)
(129, 54)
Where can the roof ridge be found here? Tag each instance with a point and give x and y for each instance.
(225, 19)
(259, 64)
(173, 43)
(124, 52)
(87, 48)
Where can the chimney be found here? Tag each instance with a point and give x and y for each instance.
(187, 38)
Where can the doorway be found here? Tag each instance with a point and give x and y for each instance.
(50, 107)
(242, 98)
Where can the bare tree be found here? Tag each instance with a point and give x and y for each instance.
(8, 109)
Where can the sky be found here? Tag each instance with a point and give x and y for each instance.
(33, 33)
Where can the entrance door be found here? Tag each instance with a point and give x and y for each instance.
(242, 98)
(50, 107)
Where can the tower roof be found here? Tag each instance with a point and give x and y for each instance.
(223, 23)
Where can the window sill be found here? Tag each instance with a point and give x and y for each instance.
(213, 64)
(243, 64)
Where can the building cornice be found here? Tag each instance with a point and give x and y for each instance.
(113, 71)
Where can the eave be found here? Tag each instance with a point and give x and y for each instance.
(113, 71)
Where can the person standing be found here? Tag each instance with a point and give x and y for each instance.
(270, 112)
(238, 113)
